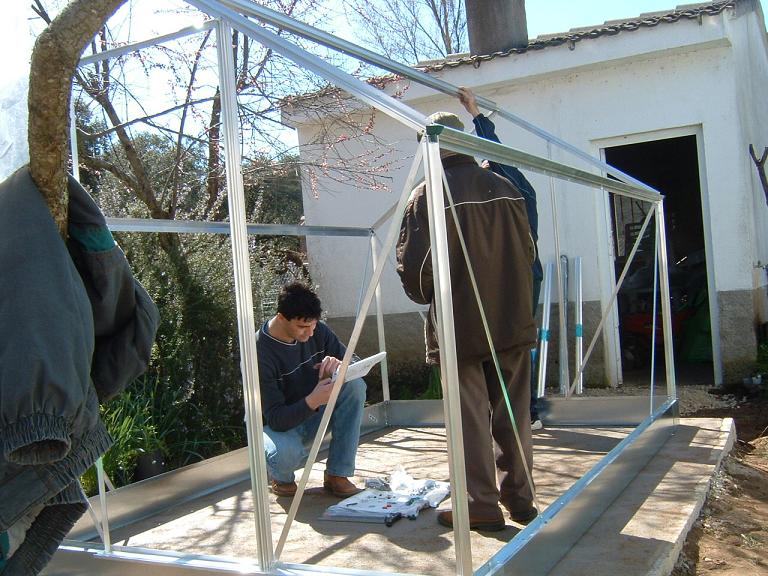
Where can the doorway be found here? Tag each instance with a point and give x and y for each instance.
(671, 166)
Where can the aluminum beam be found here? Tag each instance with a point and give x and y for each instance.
(246, 321)
(329, 40)
(337, 77)
(446, 337)
(136, 46)
(201, 227)
(450, 139)
(599, 411)
(472, 145)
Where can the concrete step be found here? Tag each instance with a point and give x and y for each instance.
(643, 531)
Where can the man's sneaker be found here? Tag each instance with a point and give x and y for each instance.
(491, 524)
(537, 425)
(339, 486)
(283, 488)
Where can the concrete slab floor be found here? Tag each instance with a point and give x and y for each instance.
(656, 507)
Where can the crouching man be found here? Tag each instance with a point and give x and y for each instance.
(297, 356)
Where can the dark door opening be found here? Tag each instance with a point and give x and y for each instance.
(670, 166)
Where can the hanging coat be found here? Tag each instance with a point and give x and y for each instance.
(75, 328)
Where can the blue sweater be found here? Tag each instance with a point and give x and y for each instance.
(287, 374)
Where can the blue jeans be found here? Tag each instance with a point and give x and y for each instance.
(287, 451)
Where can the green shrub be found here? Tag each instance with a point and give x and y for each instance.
(153, 416)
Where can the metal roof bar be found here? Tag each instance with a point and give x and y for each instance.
(362, 90)
(331, 41)
(466, 143)
(128, 48)
(201, 227)
(397, 109)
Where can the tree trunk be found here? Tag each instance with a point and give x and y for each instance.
(496, 25)
(54, 60)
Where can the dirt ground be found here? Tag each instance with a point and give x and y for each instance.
(730, 537)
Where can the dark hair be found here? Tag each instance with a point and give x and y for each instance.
(297, 300)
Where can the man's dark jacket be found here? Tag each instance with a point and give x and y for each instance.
(492, 217)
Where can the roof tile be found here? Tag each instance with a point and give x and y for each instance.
(609, 28)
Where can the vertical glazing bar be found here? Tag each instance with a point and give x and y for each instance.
(612, 299)
(105, 535)
(73, 139)
(380, 326)
(246, 326)
(579, 328)
(92, 513)
(655, 293)
(666, 308)
(357, 329)
(363, 280)
(448, 364)
(562, 335)
(544, 334)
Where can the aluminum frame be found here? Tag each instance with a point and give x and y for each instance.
(449, 139)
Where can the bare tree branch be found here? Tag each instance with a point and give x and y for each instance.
(54, 59)
(760, 164)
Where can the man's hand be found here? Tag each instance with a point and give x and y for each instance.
(320, 395)
(327, 367)
(467, 99)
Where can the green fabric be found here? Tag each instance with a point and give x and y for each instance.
(92, 239)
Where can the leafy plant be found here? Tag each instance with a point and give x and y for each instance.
(151, 417)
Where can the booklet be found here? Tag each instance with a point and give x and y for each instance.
(361, 367)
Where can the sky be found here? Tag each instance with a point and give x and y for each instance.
(549, 16)
(543, 16)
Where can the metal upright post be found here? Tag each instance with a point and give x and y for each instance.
(244, 298)
(380, 326)
(446, 337)
(544, 335)
(73, 139)
(378, 269)
(563, 350)
(655, 292)
(579, 328)
(105, 535)
(666, 308)
(563, 333)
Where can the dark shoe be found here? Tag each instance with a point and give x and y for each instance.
(475, 522)
(340, 486)
(523, 517)
(283, 488)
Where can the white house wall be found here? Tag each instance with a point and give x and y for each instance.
(750, 50)
(338, 264)
(635, 85)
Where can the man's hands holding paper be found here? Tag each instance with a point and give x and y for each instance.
(322, 392)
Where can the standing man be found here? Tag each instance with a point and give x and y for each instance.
(484, 128)
(492, 216)
(297, 356)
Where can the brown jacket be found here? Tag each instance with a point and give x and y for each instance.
(493, 220)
